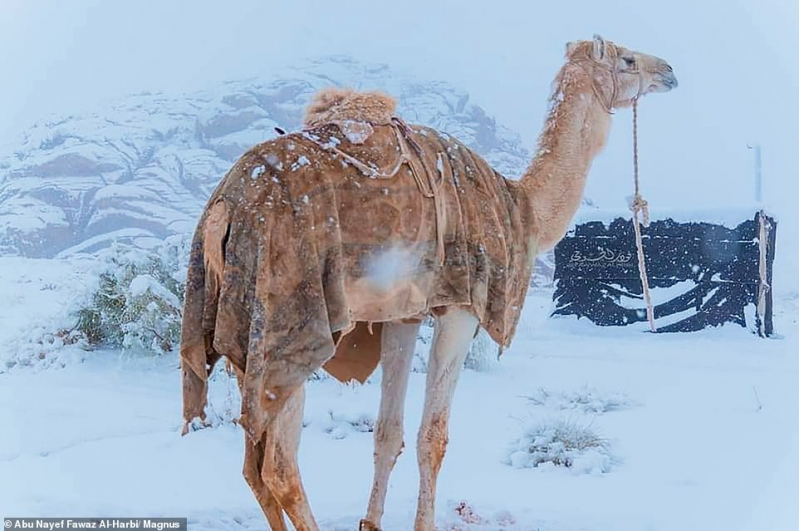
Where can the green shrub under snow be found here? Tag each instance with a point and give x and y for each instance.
(138, 300)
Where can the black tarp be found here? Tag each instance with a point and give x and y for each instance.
(713, 272)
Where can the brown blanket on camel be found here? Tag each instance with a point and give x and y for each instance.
(359, 219)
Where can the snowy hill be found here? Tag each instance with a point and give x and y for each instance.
(144, 167)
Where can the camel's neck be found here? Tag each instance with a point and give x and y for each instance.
(575, 131)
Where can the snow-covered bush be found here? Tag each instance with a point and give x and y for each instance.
(138, 299)
(340, 424)
(424, 341)
(224, 399)
(41, 348)
(586, 400)
(561, 443)
(483, 353)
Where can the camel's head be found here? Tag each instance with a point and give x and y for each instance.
(621, 75)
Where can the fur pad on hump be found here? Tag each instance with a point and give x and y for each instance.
(337, 105)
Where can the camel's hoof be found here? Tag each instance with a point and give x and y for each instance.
(194, 425)
(366, 525)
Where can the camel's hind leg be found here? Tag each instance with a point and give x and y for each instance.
(398, 343)
(453, 334)
(281, 471)
(253, 462)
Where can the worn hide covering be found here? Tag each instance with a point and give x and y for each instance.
(314, 238)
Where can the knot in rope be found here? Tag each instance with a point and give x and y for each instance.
(639, 205)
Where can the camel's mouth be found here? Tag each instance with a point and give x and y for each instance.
(664, 82)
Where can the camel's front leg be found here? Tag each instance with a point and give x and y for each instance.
(398, 343)
(453, 335)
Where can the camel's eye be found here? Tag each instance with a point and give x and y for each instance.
(630, 61)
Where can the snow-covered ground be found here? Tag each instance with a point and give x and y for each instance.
(699, 431)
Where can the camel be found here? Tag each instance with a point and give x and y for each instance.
(327, 247)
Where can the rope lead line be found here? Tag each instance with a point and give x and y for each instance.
(640, 206)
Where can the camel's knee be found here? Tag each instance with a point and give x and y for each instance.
(389, 440)
(282, 489)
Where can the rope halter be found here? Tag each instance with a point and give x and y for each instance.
(609, 103)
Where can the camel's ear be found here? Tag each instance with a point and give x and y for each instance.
(599, 48)
(570, 47)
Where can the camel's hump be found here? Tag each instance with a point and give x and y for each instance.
(336, 105)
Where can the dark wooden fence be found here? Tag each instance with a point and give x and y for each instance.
(701, 274)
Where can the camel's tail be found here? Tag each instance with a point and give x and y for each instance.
(197, 355)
